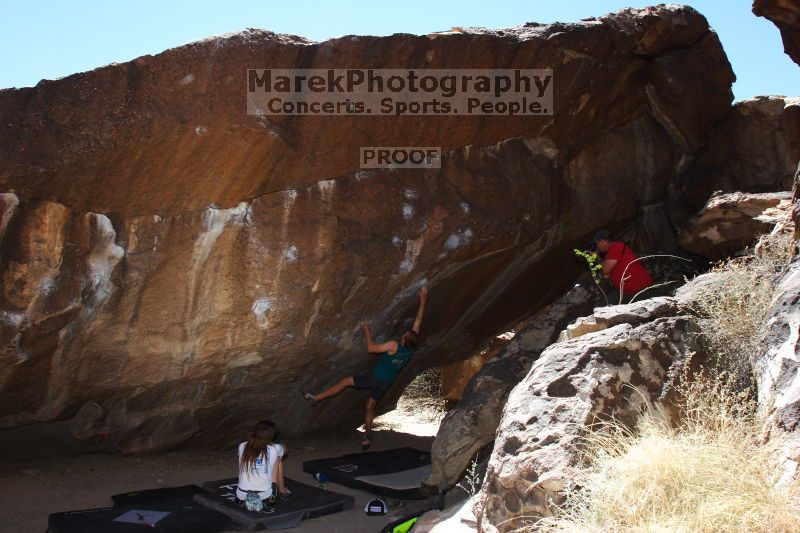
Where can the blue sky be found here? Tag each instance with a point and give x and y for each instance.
(49, 39)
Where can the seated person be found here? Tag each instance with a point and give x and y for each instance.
(621, 268)
(261, 464)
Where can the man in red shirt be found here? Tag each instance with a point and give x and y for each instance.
(620, 267)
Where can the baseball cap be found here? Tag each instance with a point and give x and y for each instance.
(376, 507)
(601, 235)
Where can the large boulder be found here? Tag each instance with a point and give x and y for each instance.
(167, 134)
(777, 371)
(754, 149)
(635, 314)
(472, 424)
(785, 14)
(729, 223)
(172, 266)
(796, 203)
(573, 385)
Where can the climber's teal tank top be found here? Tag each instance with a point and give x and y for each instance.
(388, 366)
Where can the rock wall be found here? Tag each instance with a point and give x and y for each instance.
(755, 149)
(457, 374)
(777, 369)
(472, 424)
(785, 14)
(796, 204)
(729, 223)
(173, 267)
(575, 384)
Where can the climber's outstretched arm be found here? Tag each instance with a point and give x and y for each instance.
(423, 296)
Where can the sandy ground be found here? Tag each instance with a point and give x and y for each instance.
(43, 470)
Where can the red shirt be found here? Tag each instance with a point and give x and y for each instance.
(636, 277)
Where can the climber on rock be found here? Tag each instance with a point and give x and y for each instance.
(621, 267)
(394, 354)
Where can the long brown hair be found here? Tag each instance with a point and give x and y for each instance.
(256, 445)
(411, 340)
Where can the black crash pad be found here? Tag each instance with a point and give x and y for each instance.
(351, 470)
(184, 492)
(304, 502)
(175, 516)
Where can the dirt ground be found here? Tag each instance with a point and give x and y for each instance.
(43, 470)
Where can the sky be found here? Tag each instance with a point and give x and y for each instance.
(42, 39)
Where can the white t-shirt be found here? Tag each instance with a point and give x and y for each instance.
(259, 476)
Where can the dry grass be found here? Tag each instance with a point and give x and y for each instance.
(707, 473)
(733, 312)
(424, 394)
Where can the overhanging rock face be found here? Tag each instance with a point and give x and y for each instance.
(785, 14)
(172, 266)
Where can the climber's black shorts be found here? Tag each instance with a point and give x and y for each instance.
(367, 380)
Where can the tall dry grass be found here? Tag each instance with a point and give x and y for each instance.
(706, 473)
(732, 310)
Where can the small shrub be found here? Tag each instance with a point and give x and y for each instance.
(424, 392)
(594, 264)
(471, 483)
(707, 473)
